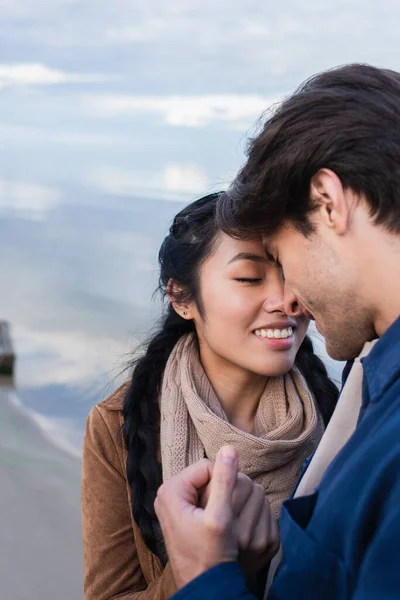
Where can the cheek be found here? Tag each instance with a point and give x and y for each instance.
(301, 331)
(227, 324)
(229, 306)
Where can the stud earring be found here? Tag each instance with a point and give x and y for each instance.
(185, 313)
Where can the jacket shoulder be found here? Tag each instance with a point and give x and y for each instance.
(116, 400)
(104, 431)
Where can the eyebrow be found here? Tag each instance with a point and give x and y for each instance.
(249, 256)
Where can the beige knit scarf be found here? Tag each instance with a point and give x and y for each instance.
(193, 425)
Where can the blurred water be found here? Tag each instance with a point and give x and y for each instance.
(77, 286)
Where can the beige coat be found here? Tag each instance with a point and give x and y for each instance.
(117, 563)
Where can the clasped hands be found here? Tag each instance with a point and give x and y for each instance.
(211, 514)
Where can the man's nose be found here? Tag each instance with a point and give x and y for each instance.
(290, 303)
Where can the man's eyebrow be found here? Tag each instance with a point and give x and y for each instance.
(249, 256)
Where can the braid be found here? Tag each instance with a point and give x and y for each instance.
(190, 240)
(141, 423)
(316, 376)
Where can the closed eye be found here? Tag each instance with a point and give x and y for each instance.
(248, 280)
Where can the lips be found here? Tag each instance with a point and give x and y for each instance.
(276, 330)
(276, 336)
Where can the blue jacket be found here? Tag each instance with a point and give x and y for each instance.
(343, 541)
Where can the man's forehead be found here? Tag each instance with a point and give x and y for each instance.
(270, 242)
(275, 239)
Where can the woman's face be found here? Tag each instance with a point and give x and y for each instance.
(244, 323)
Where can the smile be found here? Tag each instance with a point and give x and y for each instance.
(274, 333)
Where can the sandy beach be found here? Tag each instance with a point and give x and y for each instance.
(41, 554)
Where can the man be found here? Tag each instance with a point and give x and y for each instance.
(322, 182)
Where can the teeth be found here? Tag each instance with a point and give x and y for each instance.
(274, 333)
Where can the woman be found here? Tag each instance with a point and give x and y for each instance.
(228, 365)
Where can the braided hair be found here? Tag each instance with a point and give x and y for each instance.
(190, 242)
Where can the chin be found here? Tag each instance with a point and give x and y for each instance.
(342, 351)
(277, 369)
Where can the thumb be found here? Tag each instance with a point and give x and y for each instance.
(223, 481)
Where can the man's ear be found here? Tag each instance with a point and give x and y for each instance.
(334, 203)
(174, 292)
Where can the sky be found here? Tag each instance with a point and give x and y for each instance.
(157, 98)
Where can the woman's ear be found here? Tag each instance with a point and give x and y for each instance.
(174, 292)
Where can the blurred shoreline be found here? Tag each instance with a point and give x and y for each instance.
(60, 432)
(41, 553)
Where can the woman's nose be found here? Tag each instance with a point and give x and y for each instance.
(274, 301)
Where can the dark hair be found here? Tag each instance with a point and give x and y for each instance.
(346, 119)
(190, 241)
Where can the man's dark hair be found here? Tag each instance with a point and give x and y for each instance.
(347, 120)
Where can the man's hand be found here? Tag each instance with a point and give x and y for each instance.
(203, 526)
(255, 526)
(198, 539)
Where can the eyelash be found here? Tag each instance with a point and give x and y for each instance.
(248, 280)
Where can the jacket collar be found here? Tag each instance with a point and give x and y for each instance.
(117, 399)
(382, 365)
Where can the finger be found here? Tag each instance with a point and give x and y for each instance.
(183, 489)
(249, 517)
(273, 534)
(266, 536)
(241, 493)
(258, 554)
(196, 476)
(260, 537)
(224, 477)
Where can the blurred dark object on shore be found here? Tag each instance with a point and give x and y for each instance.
(7, 356)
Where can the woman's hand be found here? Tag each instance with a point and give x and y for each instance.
(255, 526)
(258, 533)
